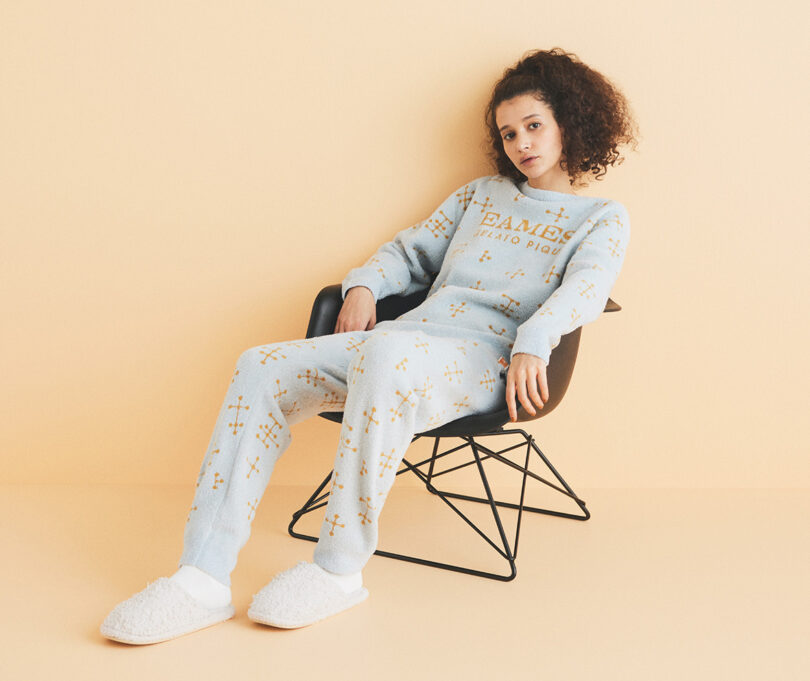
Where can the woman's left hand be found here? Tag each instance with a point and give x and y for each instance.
(526, 373)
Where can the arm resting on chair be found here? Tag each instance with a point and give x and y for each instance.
(584, 290)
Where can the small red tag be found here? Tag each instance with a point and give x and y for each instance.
(503, 362)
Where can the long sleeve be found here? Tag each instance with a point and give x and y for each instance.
(409, 261)
(585, 287)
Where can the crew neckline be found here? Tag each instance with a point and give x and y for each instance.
(547, 194)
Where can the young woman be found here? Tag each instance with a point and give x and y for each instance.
(516, 260)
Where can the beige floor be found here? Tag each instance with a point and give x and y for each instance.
(663, 584)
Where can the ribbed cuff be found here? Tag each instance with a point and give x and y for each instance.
(351, 283)
(539, 347)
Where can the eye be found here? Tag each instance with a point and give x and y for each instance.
(508, 135)
(534, 123)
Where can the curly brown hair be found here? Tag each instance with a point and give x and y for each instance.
(593, 114)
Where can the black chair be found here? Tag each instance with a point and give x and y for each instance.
(561, 366)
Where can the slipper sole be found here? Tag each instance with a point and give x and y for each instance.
(352, 599)
(217, 617)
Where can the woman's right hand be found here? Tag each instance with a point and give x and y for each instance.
(359, 311)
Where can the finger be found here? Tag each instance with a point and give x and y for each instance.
(543, 379)
(510, 399)
(533, 394)
(524, 400)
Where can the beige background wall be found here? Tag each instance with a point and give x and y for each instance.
(178, 180)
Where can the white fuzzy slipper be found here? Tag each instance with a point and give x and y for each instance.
(161, 611)
(300, 596)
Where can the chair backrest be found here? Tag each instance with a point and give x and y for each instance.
(328, 302)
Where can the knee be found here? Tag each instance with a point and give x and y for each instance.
(260, 358)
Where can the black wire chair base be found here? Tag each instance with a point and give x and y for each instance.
(480, 454)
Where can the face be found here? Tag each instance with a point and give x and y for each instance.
(533, 141)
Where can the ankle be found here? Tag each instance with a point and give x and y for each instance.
(349, 583)
(203, 587)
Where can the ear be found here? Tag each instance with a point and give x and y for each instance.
(563, 153)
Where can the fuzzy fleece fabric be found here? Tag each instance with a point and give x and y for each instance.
(301, 596)
(161, 611)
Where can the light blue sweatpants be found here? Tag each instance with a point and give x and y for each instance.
(389, 382)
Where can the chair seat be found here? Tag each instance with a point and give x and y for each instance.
(474, 424)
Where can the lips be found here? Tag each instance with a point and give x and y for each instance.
(528, 159)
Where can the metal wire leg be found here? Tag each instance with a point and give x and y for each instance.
(530, 446)
(480, 454)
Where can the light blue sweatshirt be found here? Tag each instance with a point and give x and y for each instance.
(516, 265)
